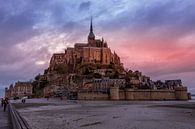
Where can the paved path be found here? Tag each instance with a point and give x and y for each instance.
(4, 122)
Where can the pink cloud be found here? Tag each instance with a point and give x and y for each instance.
(156, 51)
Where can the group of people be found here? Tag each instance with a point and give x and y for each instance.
(4, 103)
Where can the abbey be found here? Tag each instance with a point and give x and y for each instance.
(95, 51)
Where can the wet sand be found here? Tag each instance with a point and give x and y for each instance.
(57, 114)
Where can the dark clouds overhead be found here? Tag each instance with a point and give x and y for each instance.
(154, 13)
(85, 6)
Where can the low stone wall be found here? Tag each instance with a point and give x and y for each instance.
(92, 96)
(149, 94)
(180, 93)
(114, 93)
(122, 95)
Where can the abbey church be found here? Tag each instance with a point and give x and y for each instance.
(96, 51)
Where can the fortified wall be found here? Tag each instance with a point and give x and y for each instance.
(180, 93)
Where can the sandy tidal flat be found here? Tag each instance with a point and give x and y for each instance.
(56, 114)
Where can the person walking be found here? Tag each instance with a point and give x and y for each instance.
(2, 101)
(6, 102)
(23, 100)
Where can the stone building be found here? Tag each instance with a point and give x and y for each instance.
(137, 80)
(172, 84)
(9, 91)
(95, 51)
(20, 90)
(23, 89)
(102, 84)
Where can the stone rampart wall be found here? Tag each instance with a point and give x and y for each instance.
(92, 96)
(131, 94)
(180, 93)
(150, 95)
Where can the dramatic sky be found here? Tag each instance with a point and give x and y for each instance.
(156, 37)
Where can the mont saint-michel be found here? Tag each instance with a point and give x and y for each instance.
(59, 98)
(97, 64)
(91, 71)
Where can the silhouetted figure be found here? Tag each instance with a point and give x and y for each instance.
(5, 103)
(23, 100)
(2, 101)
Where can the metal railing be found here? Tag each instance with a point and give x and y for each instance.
(17, 121)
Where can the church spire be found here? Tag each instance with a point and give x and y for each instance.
(91, 26)
(91, 35)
